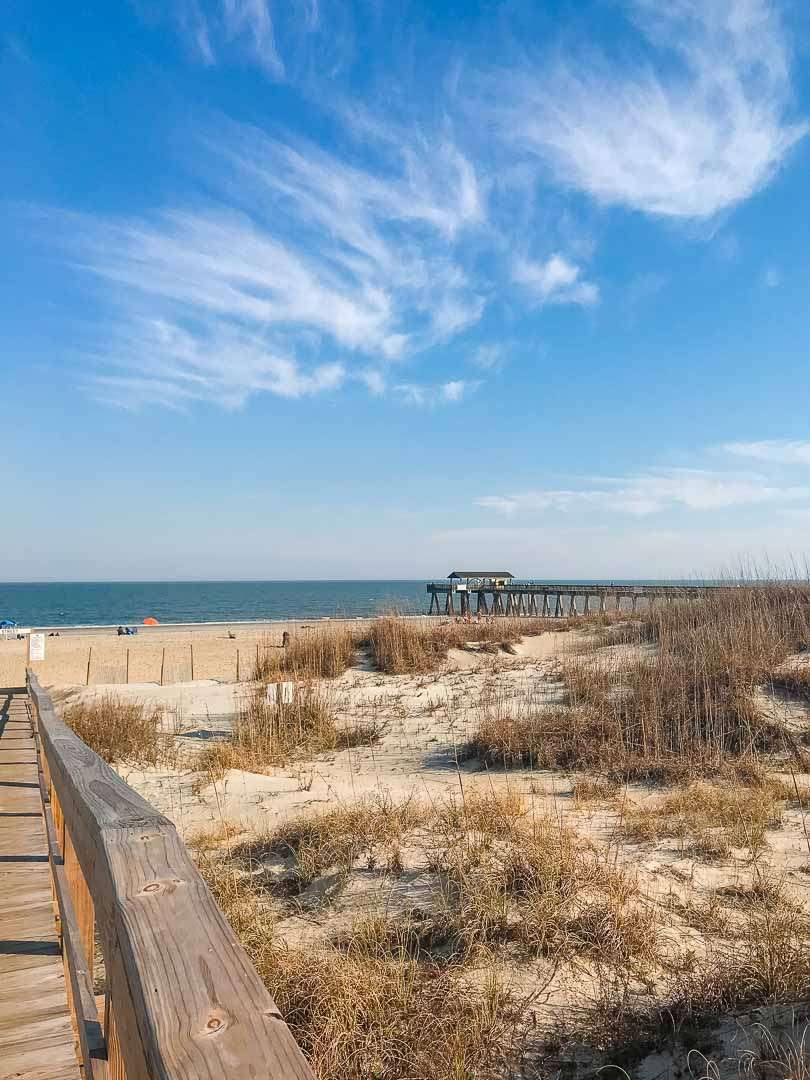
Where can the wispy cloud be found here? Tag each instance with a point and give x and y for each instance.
(555, 281)
(778, 451)
(650, 493)
(450, 392)
(162, 364)
(683, 137)
(318, 263)
(219, 29)
(489, 357)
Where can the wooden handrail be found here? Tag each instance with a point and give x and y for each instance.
(183, 1000)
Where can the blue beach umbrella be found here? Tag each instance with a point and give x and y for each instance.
(6, 624)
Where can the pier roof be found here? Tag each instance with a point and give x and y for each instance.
(480, 574)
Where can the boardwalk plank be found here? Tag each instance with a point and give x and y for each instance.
(36, 1035)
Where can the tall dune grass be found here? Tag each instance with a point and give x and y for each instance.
(677, 700)
(317, 652)
(272, 734)
(122, 732)
(403, 646)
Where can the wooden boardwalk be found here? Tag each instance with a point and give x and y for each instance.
(36, 1034)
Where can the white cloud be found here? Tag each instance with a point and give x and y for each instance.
(556, 281)
(164, 364)
(454, 389)
(653, 492)
(374, 381)
(683, 137)
(450, 392)
(219, 29)
(488, 357)
(318, 259)
(778, 451)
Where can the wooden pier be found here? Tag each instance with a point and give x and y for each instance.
(503, 595)
(87, 865)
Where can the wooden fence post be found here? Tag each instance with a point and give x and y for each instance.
(89, 655)
(191, 646)
(162, 664)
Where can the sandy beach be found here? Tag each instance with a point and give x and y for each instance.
(93, 656)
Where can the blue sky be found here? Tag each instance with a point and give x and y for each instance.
(321, 288)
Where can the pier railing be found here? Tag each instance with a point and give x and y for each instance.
(515, 598)
(182, 999)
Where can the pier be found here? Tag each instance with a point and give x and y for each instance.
(491, 592)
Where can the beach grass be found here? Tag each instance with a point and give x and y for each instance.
(122, 732)
(265, 734)
(667, 694)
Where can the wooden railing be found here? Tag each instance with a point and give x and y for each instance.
(182, 999)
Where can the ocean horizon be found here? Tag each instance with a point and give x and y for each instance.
(97, 603)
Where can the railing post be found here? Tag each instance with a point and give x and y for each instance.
(116, 1068)
(82, 901)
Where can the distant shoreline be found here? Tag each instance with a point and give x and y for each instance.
(208, 624)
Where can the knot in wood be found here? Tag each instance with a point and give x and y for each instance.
(215, 1024)
(153, 886)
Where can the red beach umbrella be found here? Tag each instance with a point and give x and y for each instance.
(150, 621)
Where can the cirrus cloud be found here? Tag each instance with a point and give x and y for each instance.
(653, 492)
(682, 137)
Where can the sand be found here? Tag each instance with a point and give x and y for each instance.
(428, 719)
(80, 656)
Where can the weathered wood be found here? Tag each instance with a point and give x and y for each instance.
(36, 1035)
(116, 1066)
(78, 961)
(187, 1001)
(82, 901)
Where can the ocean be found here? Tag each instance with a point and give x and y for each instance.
(97, 603)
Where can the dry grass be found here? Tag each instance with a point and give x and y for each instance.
(545, 890)
(367, 830)
(400, 992)
(776, 1054)
(402, 995)
(361, 1013)
(681, 707)
(766, 962)
(793, 680)
(317, 652)
(402, 646)
(594, 789)
(709, 818)
(265, 735)
(122, 732)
